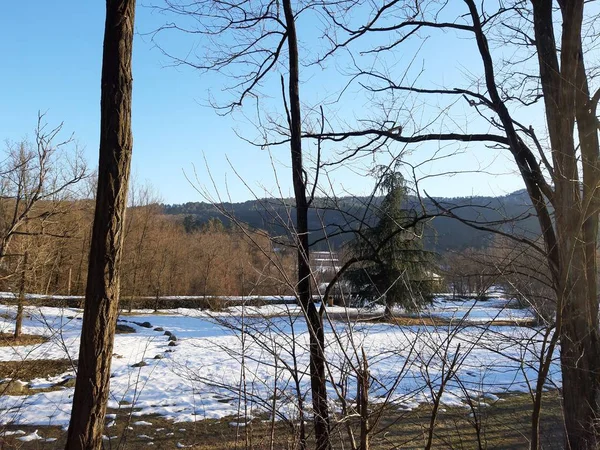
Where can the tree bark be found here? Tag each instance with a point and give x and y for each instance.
(570, 236)
(21, 299)
(567, 102)
(313, 318)
(102, 291)
(363, 400)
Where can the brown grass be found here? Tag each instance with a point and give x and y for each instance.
(414, 320)
(505, 426)
(440, 321)
(8, 339)
(27, 370)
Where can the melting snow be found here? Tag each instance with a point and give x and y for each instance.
(200, 377)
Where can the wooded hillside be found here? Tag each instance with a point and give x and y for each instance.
(511, 213)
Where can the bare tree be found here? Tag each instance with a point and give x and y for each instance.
(35, 177)
(21, 298)
(561, 175)
(141, 218)
(524, 275)
(262, 32)
(102, 292)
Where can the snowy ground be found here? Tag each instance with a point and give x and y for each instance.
(478, 311)
(200, 376)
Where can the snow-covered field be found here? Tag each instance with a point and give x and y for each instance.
(202, 375)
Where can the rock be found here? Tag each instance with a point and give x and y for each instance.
(159, 357)
(67, 382)
(144, 324)
(159, 329)
(167, 333)
(172, 344)
(140, 364)
(13, 387)
(172, 338)
(124, 329)
(31, 437)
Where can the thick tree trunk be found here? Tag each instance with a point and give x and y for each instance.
(570, 234)
(314, 319)
(102, 291)
(579, 355)
(581, 391)
(318, 378)
(576, 212)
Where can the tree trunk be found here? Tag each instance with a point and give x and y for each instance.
(314, 320)
(387, 313)
(21, 299)
(570, 234)
(102, 291)
(579, 363)
(579, 356)
(567, 104)
(69, 281)
(363, 401)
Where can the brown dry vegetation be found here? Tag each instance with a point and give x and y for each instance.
(441, 321)
(160, 257)
(505, 425)
(29, 369)
(8, 340)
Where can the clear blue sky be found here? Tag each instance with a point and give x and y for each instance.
(51, 53)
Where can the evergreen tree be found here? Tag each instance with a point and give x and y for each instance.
(396, 270)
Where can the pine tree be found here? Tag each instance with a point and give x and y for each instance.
(396, 269)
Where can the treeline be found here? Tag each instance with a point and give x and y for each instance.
(160, 256)
(510, 213)
(507, 264)
(169, 254)
(45, 231)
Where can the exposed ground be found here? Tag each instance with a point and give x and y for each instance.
(442, 321)
(8, 339)
(505, 425)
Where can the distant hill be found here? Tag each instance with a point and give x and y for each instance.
(511, 213)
